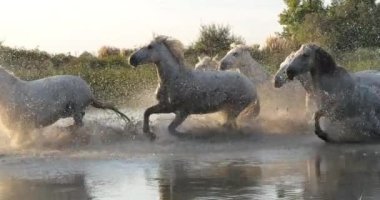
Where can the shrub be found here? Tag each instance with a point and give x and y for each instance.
(107, 51)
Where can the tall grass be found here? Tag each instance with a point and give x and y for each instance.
(360, 59)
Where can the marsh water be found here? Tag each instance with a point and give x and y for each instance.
(105, 163)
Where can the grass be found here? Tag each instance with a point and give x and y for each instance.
(361, 59)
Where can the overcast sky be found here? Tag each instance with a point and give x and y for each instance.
(78, 25)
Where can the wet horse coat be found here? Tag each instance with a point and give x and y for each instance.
(239, 57)
(34, 104)
(185, 91)
(312, 101)
(352, 102)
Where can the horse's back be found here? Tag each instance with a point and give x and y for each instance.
(67, 83)
(215, 78)
(367, 77)
(59, 89)
(234, 84)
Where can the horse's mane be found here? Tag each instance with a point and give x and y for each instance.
(287, 59)
(325, 60)
(10, 73)
(175, 47)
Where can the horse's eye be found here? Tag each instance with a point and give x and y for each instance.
(305, 55)
(235, 54)
(150, 46)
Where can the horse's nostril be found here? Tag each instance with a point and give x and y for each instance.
(277, 83)
(133, 61)
(222, 66)
(290, 73)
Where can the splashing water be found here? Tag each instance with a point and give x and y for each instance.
(278, 115)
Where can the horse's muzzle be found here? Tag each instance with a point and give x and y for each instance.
(278, 82)
(223, 66)
(133, 61)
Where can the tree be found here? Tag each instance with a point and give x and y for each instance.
(356, 23)
(215, 38)
(294, 16)
(344, 25)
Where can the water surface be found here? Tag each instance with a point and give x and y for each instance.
(291, 166)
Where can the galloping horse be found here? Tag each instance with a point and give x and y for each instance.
(35, 104)
(207, 63)
(186, 91)
(312, 102)
(343, 99)
(239, 57)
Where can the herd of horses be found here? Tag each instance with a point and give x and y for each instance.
(340, 97)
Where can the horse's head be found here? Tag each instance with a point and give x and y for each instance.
(281, 77)
(235, 57)
(310, 58)
(207, 63)
(157, 50)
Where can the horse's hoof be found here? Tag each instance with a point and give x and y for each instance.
(229, 127)
(151, 136)
(146, 129)
(176, 133)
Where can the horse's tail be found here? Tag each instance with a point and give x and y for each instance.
(252, 110)
(256, 108)
(101, 105)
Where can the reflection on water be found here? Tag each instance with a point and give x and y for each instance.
(66, 187)
(315, 172)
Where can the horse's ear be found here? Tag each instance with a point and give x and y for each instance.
(215, 58)
(199, 59)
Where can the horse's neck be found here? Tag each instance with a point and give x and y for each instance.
(168, 70)
(306, 82)
(252, 68)
(338, 82)
(8, 80)
(10, 86)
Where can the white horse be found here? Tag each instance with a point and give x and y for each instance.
(353, 102)
(207, 63)
(185, 91)
(26, 105)
(312, 102)
(280, 79)
(239, 57)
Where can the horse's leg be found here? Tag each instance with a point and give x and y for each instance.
(179, 118)
(230, 122)
(158, 108)
(78, 118)
(308, 108)
(318, 130)
(307, 104)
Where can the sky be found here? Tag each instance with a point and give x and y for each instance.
(86, 25)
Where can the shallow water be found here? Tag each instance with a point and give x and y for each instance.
(110, 165)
